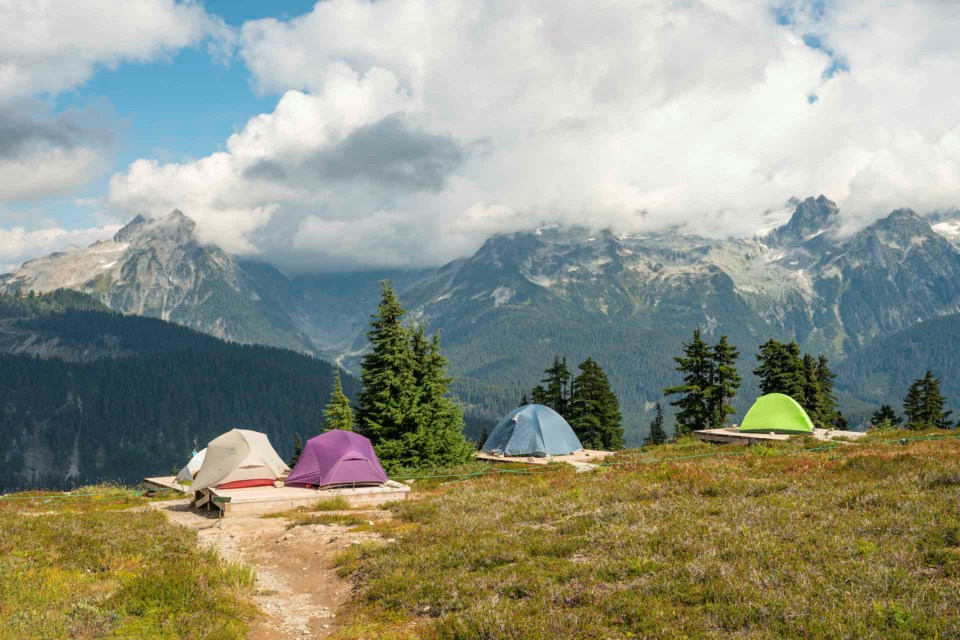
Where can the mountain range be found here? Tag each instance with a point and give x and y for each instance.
(627, 300)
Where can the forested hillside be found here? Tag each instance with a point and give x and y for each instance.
(137, 408)
(882, 371)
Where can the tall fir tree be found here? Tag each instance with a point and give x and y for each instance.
(594, 410)
(828, 404)
(934, 402)
(389, 393)
(297, 450)
(434, 435)
(885, 418)
(338, 414)
(554, 390)
(923, 407)
(697, 368)
(814, 402)
(538, 395)
(785, 369)
(657, 435)
(781, 370)
(913, 406)
(724, 382)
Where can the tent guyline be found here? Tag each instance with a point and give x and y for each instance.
(492, 471)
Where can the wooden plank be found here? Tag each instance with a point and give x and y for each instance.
(734, 435)
(584, 455)
(272, 499)
(165, 482)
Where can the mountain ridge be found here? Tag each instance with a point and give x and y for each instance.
(628, 300)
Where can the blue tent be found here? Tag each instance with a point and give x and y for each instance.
(532, 430)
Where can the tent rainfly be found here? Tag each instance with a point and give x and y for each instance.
(776, 413)
(239, 458)
(337, 458)
(192, 467)
(532, 430)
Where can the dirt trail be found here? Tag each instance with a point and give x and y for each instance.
(297, 587)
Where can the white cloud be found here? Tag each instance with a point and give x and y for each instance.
(48, 47)
(19, 243)
(408, 131)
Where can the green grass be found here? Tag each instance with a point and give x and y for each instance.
(89, 567)
(769, 542)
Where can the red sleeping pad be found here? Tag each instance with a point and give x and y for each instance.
(244, 484)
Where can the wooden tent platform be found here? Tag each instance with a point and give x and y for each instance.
(272, 499)
(733, 435)
(584, 455)
(165, 482)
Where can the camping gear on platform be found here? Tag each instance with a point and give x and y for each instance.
(192, 467)
(532, 430)
(776, 413)
(337, 458)
(239, 458)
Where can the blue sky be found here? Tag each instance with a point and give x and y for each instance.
(174, 109)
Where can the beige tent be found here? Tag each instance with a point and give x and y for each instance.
(189, 471)
(239, 458)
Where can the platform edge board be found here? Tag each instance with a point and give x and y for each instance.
(272, 499)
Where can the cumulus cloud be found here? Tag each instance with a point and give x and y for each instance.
(48, 47)
(18, 243)
(42, 154)
(51, 47)
(408, 131)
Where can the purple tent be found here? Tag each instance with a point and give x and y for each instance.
(337, 458)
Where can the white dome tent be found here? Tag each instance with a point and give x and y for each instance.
(237, 459)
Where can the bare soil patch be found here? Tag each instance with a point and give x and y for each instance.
(297, 586)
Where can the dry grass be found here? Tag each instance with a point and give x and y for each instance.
(772, 542)
(92, 568)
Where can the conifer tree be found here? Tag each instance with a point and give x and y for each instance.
(808, 380)
(594, 410)
(781, 370)
(434, 430)
(389, 395)
(828, 400)
(697, 369)
(338, 414)
(913, 406)
(885, 418)
(524, 401)
(538, 395)
(657, 435)
(814, 402)
(933, 402)
(555, 387)
(923, 405)
(297, 450)
(724, 382)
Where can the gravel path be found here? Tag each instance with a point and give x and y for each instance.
(297, 587)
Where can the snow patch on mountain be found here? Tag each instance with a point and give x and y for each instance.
(502, 295)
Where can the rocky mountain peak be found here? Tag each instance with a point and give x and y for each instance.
(811, 219)
(130, 230)
(175, 226)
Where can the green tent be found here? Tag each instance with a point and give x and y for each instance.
(776, 413)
